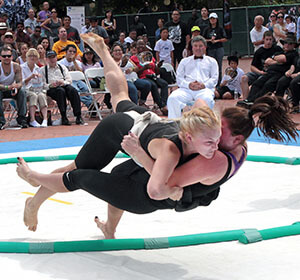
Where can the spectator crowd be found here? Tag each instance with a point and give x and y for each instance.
(40, 50)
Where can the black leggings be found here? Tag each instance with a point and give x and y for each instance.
(105, 141)
(126, 186)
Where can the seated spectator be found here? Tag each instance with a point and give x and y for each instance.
(73, 64)
(277, 65)
(285, 82)
(279, 29)
(34, 87)
(258, 66)
(146, 40)
(73, 34)
(131, 37)
(149, 72)
(99, 30)
(43, 15)
(132, 50)
(89, 61)
(196, 77)
(164, 47)
(229, 85)
(60, 46)
(295, 86)
(51, 26)
(36, 36)
(11, 86)
(23, 49)
(257, 32)
(44, 41)
(9, 40)
(195, 31)
(122, 42)
(42, 56)
(138, 26)
(160, 24)
(290, 25)
(134, 83)
(272, 22)
(30, 23)
(58, 82)
(110, 25)
(21, 36)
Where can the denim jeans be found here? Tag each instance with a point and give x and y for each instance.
(81, 86)
(144, 87)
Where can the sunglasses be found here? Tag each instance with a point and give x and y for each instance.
(9, 37)
(272, 16)
(280, 17)
(6, 55)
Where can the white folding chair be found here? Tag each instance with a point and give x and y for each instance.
(93, 73)
(78, 75)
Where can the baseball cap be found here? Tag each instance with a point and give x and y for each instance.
(8, 34)
(213, 15)
(3, 25)
(195, 28)
(50, 53)
(88, 50)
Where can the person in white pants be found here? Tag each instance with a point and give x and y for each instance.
(197, 76)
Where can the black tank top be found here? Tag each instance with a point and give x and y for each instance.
(168, 130)
(202, 195)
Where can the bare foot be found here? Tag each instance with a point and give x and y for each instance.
(93, 40)
(103, 227)
(30, 215)
(24, 172)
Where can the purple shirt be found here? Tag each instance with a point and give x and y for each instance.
(43, 15)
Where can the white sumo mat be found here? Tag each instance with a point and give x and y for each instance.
(261, 195)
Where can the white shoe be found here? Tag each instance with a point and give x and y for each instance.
(34, 124)
(44, 123)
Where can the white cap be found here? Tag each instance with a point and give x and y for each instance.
(213, 15)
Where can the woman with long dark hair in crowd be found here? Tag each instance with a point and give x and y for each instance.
(215, 36)
(44, 41)
(110, 25)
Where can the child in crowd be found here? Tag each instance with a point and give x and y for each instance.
(231, 81)
(290, 25)
(164, 47)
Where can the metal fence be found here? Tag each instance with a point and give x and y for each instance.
(241, 18)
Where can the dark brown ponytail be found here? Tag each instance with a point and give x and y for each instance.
(273, 118)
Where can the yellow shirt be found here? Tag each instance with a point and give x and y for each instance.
(59, 47)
